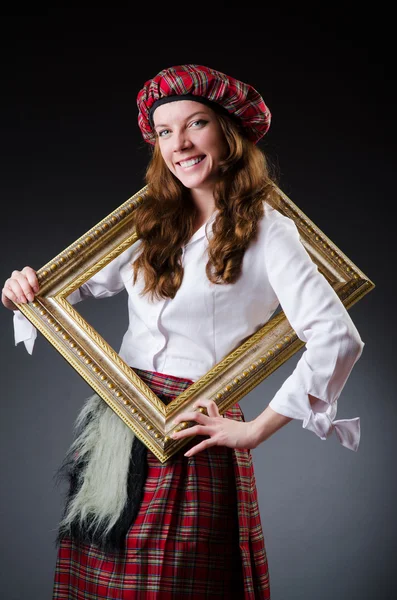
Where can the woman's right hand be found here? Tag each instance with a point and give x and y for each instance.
(20, 287)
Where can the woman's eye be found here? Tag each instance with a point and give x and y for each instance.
(163, 132)
(199, 122)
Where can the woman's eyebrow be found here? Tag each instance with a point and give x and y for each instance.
(199, 112)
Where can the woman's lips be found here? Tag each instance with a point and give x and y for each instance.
(191, 162)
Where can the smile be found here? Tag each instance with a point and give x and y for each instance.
(186, 164)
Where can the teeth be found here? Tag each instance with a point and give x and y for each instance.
(191, 162)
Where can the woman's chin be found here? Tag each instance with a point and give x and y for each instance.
(197, 183)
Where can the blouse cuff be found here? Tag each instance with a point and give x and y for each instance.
(347, 430)
(24, 331)
(321, 422)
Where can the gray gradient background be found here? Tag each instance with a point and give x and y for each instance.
(72, 152)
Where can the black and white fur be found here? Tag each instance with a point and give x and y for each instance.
(106, 469)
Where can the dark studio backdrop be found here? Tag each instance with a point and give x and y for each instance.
(72, 152)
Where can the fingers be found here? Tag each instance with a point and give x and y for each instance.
(206, 425)
(201, 429)
(32, 278)
(23, 284)
(20, 288)
(20, 285)
(13, 291)
(202, 446)
(210, 405)
(191, 415)
(191, 431)
(7, 297)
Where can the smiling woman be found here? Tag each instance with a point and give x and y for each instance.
(191, 527)
(192, 144)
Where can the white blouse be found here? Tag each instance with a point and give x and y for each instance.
(187, 335)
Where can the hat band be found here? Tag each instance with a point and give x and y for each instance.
(214, 105)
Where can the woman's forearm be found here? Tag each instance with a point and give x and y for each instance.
(270, 421)
(267, 423)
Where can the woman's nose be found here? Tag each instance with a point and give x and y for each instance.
(181, 141)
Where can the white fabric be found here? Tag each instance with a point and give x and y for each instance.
(188, 335)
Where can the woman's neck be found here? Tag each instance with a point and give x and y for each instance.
(205, 204)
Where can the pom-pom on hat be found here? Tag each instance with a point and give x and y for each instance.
(201, 84)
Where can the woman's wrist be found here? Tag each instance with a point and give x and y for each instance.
(267, 423)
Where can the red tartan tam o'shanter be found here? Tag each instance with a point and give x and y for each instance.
(201, 84)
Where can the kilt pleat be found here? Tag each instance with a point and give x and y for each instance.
(197, 535)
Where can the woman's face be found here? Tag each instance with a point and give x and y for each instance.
(191, 142)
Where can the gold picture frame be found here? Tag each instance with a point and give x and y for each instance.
(103, 369)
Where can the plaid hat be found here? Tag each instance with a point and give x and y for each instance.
(201, 84)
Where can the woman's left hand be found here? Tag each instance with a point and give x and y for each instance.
(221, 431)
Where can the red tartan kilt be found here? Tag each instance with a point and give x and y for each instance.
(197, 535)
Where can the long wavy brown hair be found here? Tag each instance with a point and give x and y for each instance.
(165, 219)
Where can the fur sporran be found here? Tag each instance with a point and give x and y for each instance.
(106, 469)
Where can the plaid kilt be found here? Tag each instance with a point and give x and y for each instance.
(197, 535)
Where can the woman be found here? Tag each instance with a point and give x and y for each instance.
(212, 263)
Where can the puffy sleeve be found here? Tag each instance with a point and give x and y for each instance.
(107, 282)
(319, 318)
